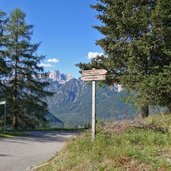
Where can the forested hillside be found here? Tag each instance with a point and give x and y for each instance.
(72, 103)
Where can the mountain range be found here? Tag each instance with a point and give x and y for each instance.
(71, 102)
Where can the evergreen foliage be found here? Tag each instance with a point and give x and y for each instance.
(25, 91)
(3, 42)
(137, 48)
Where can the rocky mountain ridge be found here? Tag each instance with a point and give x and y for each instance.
(71, 102)
(61, 78)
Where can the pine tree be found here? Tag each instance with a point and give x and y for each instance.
(26, 91)
(3, 43)
(159, 82)
(136, 44)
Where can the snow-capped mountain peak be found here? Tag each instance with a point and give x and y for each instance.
(59, 77)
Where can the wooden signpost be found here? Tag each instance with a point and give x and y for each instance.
(94, 72)
(93, 75)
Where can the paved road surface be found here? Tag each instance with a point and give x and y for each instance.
(20, 153)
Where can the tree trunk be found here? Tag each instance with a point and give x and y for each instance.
(14, 122)
(15, 106)
(169, 108)
(144, 111)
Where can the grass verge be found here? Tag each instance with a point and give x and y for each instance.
(125, 146)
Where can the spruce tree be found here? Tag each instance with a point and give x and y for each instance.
(159, 82)
(136, 45)
(3, 55)
(26, 91)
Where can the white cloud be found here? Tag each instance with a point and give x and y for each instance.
(92, 55)
(45, 65)
(53, 60)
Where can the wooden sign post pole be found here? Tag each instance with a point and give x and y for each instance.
(93, 109)
(94, 75)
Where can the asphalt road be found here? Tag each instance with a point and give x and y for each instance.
(21, 153)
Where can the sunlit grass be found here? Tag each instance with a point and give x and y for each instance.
(134, 149)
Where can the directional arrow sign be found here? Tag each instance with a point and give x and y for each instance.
(94, 72)
(93, 77)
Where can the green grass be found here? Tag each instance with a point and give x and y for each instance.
(134, 149)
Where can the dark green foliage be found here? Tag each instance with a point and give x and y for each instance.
(3, 55)
(137, 48)
(24, 91)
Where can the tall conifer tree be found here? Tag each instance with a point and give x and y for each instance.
(158, 83)
(26, 91)
(136, 44)
(3, 55)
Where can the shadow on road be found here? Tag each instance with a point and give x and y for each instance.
(3, 155)
(41, 136)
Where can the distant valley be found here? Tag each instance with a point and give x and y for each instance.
(71, 102)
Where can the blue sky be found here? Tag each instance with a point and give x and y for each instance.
(65, 28)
